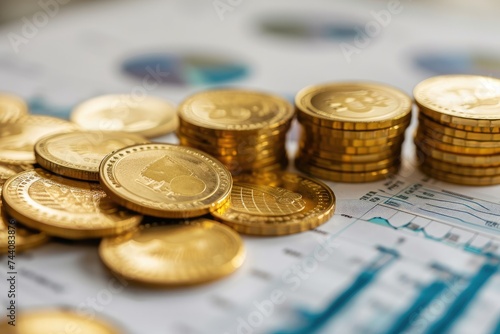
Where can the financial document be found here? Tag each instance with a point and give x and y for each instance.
(404, 255)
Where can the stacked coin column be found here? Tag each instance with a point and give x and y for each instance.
(458, 137)
(351, 132)
(245, 130)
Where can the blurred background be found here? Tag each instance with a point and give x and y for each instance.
(56, 53)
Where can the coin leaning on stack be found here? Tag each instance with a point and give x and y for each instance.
(351, 132)
(245, 130)
(458, 137)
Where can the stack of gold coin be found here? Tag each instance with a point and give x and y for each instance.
(351, 132)
(458, 137)
(245, 130)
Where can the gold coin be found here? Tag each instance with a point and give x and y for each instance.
(78, 154)
(420, 137)
(348, 158)
(459, 159)
(242, 149)
(230, 134)
(12, 108)
(165, 180)
(173, 253)
(456, 133)
(17, 140)
(323, 132)
(461, 101)
(340, 166)
(236, 111)
(295, 204)
(460, 179)
(456, 169)
(146, 116)
(353, 106)
(431, 133)
(16, 238)
(337, 147)
(51, 321)
(334, 176)
(64, 207)
(7, 171)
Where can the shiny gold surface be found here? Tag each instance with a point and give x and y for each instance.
(146, 116)
(165, 180)
(293, 204)
(79, 154)
(457, 133)
(12, 108)
(235, 110)
(174, 253)
(7, 171)
(52, 321)
(64, 207)
(17, 140)
(460, 179)
(353, 106)
(468, 102)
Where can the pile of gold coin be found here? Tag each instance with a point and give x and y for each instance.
(458, 137)
(351, 132)
(245, 130)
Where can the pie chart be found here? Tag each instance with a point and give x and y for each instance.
(185, 69)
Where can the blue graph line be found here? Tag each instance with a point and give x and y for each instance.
(444, 215)
(464, 299)
(455, 196)
(318, 320)
(427, 295)
(462, 211)
(442, 200)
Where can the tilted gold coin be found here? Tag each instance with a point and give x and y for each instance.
(16, 238)
(17, 140)
(461, 101)
(64, 207)
(294, 204)
(353, 105)
(335, 176)
(12, 108)
(7, 171)
(51, 321)
(79, 154)
(165, 180)
(174, 253)
(460, 179)
(236, 110)
(146, 116)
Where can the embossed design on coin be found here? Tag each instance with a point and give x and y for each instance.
(171, 253)
(264, 200)
(353, 102)
(362, 101)
(147, 116)
(79, 154)
(235, 110)
(17, 140)
(7, 171)
(64, 207)
(165, 180)
(295, 204)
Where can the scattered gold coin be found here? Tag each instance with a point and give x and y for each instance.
(79, 154)
(165, 180)
(64, 207)
(174, 253)
(293, 204)
(12, 108)
(17, 140)
(146, 116)
(53, 321)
